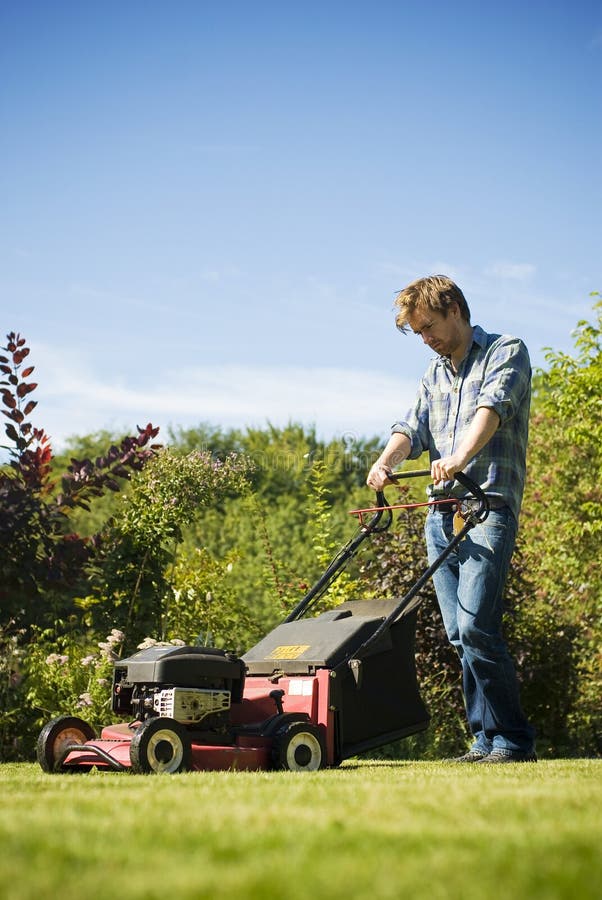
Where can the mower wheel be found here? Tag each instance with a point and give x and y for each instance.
(56, 736)
(298, 747)
(161, 746)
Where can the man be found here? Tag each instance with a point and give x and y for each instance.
(471, 414)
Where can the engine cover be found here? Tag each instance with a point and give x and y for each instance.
(183, 666)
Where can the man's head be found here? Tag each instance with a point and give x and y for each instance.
(434, 294)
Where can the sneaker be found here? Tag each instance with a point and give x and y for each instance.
(508, 756)
(471, 757)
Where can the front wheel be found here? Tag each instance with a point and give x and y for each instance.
(299, 747)
(56, 736)
(160, 746)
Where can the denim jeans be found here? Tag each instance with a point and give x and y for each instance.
(469, 586)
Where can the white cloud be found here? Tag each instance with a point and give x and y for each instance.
(76, 399)
(511, 270)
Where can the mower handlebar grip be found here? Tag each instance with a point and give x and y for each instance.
(413, 473)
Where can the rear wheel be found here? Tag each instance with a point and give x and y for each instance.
(160, 745)
(56, 736)
(298, 747)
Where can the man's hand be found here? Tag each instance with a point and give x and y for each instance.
(484, 425)
(446, 468)
(397, 449)
(378, 476)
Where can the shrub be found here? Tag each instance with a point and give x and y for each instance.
(66, 675)
(42, 561)
(137, 553)
(202, 607)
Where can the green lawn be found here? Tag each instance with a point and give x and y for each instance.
(373, 830)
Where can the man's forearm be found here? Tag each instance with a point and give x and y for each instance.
(397, 449)
(484, 425)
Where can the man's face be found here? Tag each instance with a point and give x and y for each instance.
(443, 334)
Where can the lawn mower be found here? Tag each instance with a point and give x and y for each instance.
(313, 692)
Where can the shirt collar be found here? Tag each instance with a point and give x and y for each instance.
(478, 337)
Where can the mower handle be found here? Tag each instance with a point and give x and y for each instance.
(380, 521)
(473, 517)
(475, 489)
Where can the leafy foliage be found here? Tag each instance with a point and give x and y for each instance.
(324, 542)
(282, 457)
(280, 537)
(562, 524)
(202, 607)
(67, 675)
(40, 557)
(138, 549)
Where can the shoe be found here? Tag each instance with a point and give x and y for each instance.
(508, 756)
(471, 757)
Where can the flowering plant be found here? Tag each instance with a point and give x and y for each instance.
(72, 678)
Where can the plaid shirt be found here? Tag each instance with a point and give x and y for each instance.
(495, 373)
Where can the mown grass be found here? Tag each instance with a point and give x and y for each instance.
(377, 830)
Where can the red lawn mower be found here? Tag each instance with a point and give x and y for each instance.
(313, 692)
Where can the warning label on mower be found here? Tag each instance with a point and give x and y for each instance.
(288, 651)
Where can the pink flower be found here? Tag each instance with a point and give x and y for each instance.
(146, 643)
(56, 659)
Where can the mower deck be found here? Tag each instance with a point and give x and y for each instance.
(112, 751)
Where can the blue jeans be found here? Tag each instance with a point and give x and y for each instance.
(469, 586)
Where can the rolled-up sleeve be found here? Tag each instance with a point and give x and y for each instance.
(415, 426)
(507, 378)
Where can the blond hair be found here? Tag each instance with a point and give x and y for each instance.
(435, 293)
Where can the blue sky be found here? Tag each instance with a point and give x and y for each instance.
(207, 207)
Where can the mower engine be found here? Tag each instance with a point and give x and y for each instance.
(194, 686)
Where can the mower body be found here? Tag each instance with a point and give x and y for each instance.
(293, 701)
